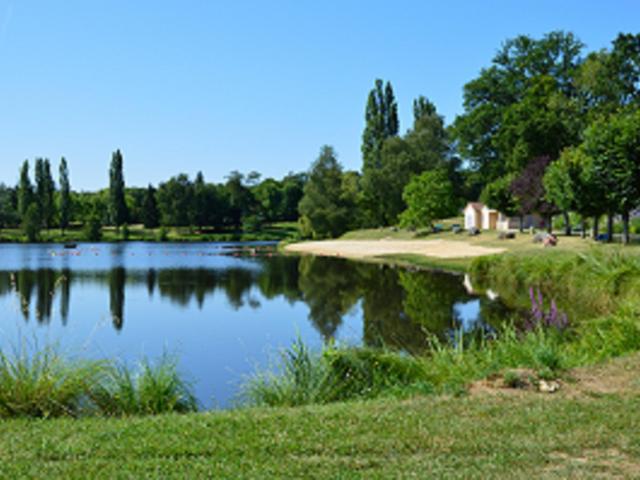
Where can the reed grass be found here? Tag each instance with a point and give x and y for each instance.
(152, 388)
(44, 383)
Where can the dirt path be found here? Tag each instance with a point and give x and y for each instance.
(373, 248)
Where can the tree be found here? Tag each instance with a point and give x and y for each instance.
(613, 144)
(31, 223)
(241, 201)
(527, 75)
(569, 183)
(8, 211)
(269, 195)
(381, 123)
(292, 192)
(498, 195)
(25, 190)
(528, 190)
(65, 195)
(45, 189)
(558, 184)
(200, 201)
(150, 213)
(175, 201)
(429, 196)
(325, 208)
(93, 223)
(118, 214)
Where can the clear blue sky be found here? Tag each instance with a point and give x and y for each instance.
(212, 85)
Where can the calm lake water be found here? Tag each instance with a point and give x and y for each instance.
(224, 309)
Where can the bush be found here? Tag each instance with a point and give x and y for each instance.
(93, 228)
(252, 223)
(162, 234)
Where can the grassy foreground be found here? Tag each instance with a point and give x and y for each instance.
(577, 433)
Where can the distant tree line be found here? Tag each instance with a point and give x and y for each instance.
(241, 202)
(545, 130)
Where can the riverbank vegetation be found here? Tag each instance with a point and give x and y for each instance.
(588, 429)
(44, 383)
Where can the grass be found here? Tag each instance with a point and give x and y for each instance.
(504, 435)
(589, 283)
(275, 232)
(43, 383)
(349, 373)
(151, 389)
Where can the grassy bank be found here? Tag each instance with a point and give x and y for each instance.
(581, 433)
(270, 232)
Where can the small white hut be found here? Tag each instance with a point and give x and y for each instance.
(482, 217)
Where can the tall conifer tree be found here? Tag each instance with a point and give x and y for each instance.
(381, 123)
(65, 195)
(25, 190)
(117, 204)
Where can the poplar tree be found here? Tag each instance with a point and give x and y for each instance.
(381, 123)
(45, 188)
(25, 190)
(65, 194)
(117, 204)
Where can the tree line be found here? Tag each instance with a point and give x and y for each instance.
(241, 202)
(545, 129)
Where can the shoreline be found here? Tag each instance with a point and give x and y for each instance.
(438, 249)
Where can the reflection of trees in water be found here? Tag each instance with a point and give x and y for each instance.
(385, 321)
(65, 294)
(151, 281)
(430, 300)
(279, 276)
(117, 279)
(330, 288)
(400, 308)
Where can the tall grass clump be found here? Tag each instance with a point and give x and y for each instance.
(151, 389)
(45, 384)
(301, 378)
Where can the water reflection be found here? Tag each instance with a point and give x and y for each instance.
(400, 309)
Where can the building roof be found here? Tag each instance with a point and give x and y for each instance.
(475, 205)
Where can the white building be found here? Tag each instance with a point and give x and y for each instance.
(482, 217)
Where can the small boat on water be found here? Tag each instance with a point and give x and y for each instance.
(70, 246)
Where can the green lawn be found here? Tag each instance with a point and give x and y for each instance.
(575, 433)
(275, 231)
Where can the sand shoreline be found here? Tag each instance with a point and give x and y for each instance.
(361, 249)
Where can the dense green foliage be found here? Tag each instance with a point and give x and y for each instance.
(328, 202)
(428, 196)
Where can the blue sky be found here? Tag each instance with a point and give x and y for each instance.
(215, 86)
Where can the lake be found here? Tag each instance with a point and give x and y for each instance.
(224, 309)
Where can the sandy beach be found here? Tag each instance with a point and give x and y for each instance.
(372, 248)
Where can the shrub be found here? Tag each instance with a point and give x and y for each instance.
(93, 228)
